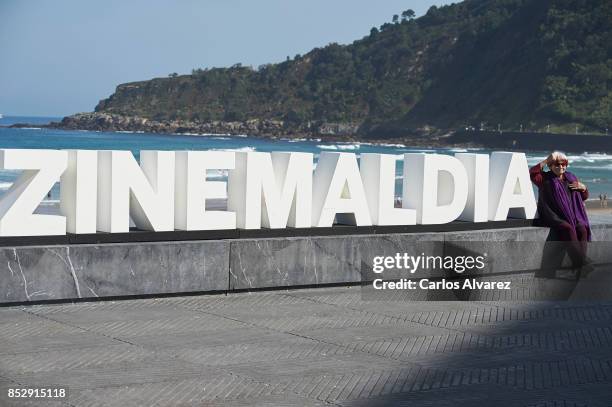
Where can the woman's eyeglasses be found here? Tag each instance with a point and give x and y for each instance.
(560, 164)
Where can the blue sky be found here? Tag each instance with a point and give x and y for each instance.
(60, 57)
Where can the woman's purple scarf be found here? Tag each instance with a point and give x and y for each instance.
(571, 206)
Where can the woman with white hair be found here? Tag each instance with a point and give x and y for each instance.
(561, 205)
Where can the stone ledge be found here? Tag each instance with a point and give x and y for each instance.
(68, 272)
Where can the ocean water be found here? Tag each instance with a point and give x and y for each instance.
(593, 168)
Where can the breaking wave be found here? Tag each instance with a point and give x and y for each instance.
(339, 146)
(238, 150)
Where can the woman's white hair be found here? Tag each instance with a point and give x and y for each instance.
(556, 156)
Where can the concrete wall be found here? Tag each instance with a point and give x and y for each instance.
(55, 272)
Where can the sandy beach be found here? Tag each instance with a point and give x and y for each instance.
(595, 205)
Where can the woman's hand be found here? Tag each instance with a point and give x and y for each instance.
(577, 186)
(547, 161)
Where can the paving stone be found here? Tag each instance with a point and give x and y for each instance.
(312, 347)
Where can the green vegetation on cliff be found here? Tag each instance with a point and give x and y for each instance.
(506, 62)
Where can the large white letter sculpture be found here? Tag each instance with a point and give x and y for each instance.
(271, 190)
(378, 175)
(42, 169)
(193, 189)
(101, 190)
(511, 193)
(78, 191)
(477, 168)
(338, 189)
(436, 185)
(145, 192)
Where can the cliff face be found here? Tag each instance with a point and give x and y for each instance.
(101, 121)
(507, 62)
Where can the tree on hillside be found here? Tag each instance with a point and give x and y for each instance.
(408, 14)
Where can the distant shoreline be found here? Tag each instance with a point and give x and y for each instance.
(332, 132)
(263, 129)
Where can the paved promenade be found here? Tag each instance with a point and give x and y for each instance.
(313, 347)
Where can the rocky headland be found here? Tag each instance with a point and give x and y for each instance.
(101, 121)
